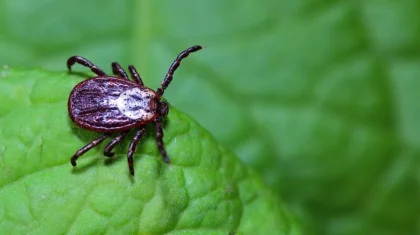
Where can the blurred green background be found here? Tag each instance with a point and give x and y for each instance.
(319, 96)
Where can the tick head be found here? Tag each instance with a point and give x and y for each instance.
(163, 109)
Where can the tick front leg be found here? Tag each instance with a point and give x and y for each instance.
(135, 75)
(83, 150)
(115, 141)
(117, 70)
(132, 149)
(82, 61)
(159, 141)
(169, 76)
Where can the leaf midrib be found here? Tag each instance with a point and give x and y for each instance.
(141, 34)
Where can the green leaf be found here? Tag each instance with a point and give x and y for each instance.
(205, 189)
(320, 97)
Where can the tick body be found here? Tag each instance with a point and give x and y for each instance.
(109, 104)
(114, 104)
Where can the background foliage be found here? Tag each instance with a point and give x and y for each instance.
(319, 96)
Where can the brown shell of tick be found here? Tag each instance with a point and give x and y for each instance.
(115, 104)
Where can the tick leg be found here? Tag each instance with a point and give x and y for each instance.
(115, 141)
(159, 141)
(174, 66)
(132, 149)
(117, 70)
(83, 150)
(82, 61)
(135, 75)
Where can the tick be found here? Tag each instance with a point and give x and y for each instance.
(114, 104)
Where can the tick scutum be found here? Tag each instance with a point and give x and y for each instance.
(114, 104)
(137, 104)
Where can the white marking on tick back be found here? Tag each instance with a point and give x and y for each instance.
(135, 104)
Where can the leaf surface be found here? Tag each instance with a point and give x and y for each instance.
(205, 189)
